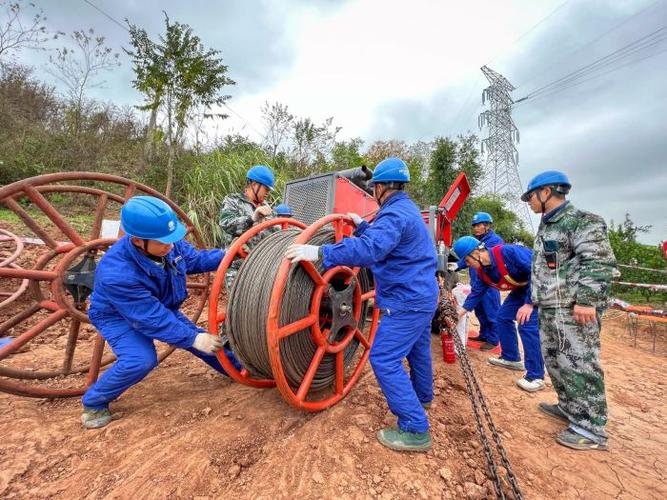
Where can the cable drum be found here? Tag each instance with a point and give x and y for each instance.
(248, 309)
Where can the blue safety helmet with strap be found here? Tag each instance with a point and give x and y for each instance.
(284, 209)
(480, 217)
(261, 174)
(390, 170)
(558, 180)
(150, 218)
(465, 245)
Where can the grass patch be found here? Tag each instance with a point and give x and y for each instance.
(81, 222)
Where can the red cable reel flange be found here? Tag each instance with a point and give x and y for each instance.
(217, 313)
(59, 305)
(342, 225)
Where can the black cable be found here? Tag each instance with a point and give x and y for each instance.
(632, 48)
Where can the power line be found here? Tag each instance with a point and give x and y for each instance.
(597, 38)
(605, 62)
(108, 16)
(532, 28)
(567, 87)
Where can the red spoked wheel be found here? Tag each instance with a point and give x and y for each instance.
(52, 315)
(333, 334)
(217, 310)
(8, 261)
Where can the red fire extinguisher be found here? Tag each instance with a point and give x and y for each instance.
(448, 353)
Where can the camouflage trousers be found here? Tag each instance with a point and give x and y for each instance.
(572, 358)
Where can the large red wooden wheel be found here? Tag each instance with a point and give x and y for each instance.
(217, 304)
(346, 303)
(60, 278)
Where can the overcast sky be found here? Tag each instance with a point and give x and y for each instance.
(410, 70)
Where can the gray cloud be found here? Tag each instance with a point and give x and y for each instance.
(608, 134)
(251, 35)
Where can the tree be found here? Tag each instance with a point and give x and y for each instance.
(278, 123)
(177, 76)
(623, 239)
(19, 32)
(380, 150)
(505, 222)
(311, 143)
(345, 154)
(627, 231)
(79, 68)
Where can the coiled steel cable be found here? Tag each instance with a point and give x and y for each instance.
(248, 310)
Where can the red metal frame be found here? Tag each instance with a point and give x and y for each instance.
(350, 198)
(276, 332)
(58, 304)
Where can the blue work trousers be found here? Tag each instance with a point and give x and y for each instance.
(529, 332)
(486, 312)
(136, 357)
(405, 334)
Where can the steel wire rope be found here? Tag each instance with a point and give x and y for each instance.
(248, 309)
(604, 62)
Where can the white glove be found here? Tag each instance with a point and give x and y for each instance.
(207, 343)
(261, 212)
(355, 218)
(452, 266)
(302, 252)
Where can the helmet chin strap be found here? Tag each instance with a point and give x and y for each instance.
(255, 192)
(381, 197)
(543, 203)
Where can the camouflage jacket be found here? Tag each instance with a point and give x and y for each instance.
(236, 218)
(573, 261)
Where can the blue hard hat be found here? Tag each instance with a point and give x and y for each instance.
(466, 244)
(391, 170)
(150, 218)
(261, 174)
(283, 209)
(548, 178)
(480, 217)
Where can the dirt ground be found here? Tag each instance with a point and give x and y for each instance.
(186, 432)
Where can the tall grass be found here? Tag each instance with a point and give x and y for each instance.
(214, 176)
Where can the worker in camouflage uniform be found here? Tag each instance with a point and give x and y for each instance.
(572, 270)
(241, 211)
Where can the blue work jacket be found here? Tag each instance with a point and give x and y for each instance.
(518, 261)
(490, 240)
(133, 292)
(400, 253)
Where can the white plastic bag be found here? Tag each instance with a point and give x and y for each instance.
(460, 292)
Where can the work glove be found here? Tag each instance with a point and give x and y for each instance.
(261, 212)
(207, 343)
(297, 253)
(452, 266)
(355, 218)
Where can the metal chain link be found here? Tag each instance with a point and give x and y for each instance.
(477, 399)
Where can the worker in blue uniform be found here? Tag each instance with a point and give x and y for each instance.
(140, 283)
(507, 267)
(399, 251)
(487, 308)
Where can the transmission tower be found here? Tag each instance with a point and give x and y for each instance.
(501, 172)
